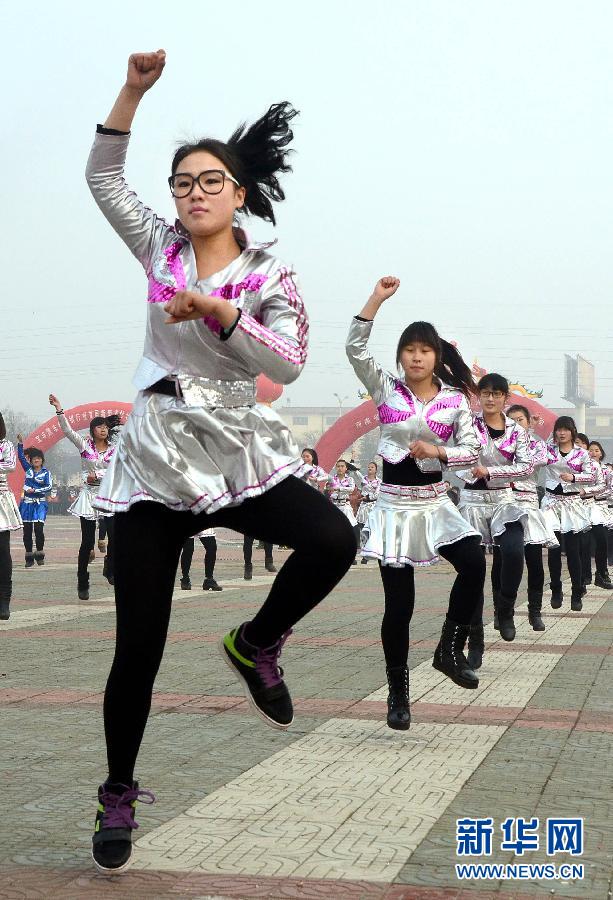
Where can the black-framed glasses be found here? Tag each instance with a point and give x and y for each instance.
(211, 182)
(495, 395)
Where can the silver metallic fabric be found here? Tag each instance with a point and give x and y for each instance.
(445, 420)
(10, 518)
(577, 462)
(538, 451)
(214, 447)
(507, 458)
(93, 462)
(489, 512)
(339, 490)
(566, 512)
(408, 525)
(537, 527)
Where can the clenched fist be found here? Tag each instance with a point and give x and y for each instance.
(144, 69)
(385, 288)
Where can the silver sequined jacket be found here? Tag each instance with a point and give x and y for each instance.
(577, 462)
(538, 451)
(8, 462)
(507, 458)
(445, 421)
(271, 334)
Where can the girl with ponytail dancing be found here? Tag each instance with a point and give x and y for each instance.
(197, 452)
(425, 425)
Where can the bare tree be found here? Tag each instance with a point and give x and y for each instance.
(17, 422)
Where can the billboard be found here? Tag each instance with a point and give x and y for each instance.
(579, 380)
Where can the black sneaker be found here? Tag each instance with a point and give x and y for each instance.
(576, 604)
(257, 668)
(248, 573)
(112, 840)
(364, 561)
(83, 593)
(209, 584)
(186, 584)
(270, 566)
(39, 556)
(29, 560)
(603, 581)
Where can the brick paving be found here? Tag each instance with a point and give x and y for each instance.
(339, 806)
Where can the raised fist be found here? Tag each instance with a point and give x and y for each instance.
(54, 401)
(386, 287)
(144, 69)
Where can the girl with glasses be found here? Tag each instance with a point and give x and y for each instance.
(425, 425)
(537, 531)
(569, 469)
(10, 520)
(488, 503)
(197, 452)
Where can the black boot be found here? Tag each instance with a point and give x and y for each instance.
(496, 601)
(603, 580)
(506, 609)
(83, 588)
(449, 656)
(476, 646)
(556, 595)
(186, 583)
(270, 566)
(29, 560)
(398, 710)
(5, 602)
(535, 606)
(248, 573)
(576, 603)
(39, 556)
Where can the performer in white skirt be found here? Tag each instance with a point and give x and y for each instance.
(208, 539)
(538, 532)
(339, 488)
(96, 453)
(425, 424)
(197, 452)
(569, 468)
(369, 489)
(488, 503)
(597, 498)
(316, 476)
(10, 520)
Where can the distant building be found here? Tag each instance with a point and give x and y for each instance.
(598, 425)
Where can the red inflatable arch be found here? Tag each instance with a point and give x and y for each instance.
(49, 433)
(359, 421)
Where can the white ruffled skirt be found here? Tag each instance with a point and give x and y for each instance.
(83, 506)
(604, 513)
(489, 512)
(10, 519)
(566, 512)
(537, 528)
(408, 525)
(347, 510)
(364, 510)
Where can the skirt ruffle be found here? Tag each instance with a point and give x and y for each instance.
(83, 507)
(537, 528)
(197, 459)
(10, 519)
(364, 511)
(605, 513)
(597, 512)
(408, 531)
(566, 513)
(489, 512)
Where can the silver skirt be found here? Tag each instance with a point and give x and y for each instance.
(197, 459)
(83, 506)
(566, 512)
(10, 519)
(347, 510)
(489, 512)
(364, 511)
(599, 512)
(537, 528)
(408, 525)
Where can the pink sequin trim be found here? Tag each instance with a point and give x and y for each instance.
(389, 415)
(162, 293)
(508, 445)
(442, 429)
(252, 282)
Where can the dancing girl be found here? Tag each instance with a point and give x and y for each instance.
(34, 504)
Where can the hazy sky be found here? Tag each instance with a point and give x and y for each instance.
(465, 147)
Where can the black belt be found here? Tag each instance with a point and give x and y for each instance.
(167, 386)
(563, 493)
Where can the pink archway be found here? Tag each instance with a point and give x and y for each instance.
(49, 433)
(359, 421)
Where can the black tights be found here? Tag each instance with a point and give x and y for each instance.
(209, 542)
(6, 566)
(248, 550)
(572, 546)
(291, 513)
(88, 539)
(467, 558)
(598, 535)
(507, 566)
(533, 554)
(39, 535)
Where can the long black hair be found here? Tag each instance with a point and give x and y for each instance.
(254, 155)
(313, 453)
(600, 447)
(449, 366)
(2, 428)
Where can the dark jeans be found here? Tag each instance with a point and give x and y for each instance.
(210, 555)
(39, 535)
(291, 513)
(466, 557)
(6, 566)
(248, 550)
(88, 539)
(572, 546)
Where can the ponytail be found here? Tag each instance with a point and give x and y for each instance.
(453, 370)
(2, 428)
(254, 155)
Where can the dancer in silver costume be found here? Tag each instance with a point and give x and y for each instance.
(537, 530)
(316, 476)
(488, 503)
(597, 498)
(339, 488)
(96, 453)
(369, 489)
(569, 468)
(425, 424)
(10, 520)
(197, 452)
(208, 539)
